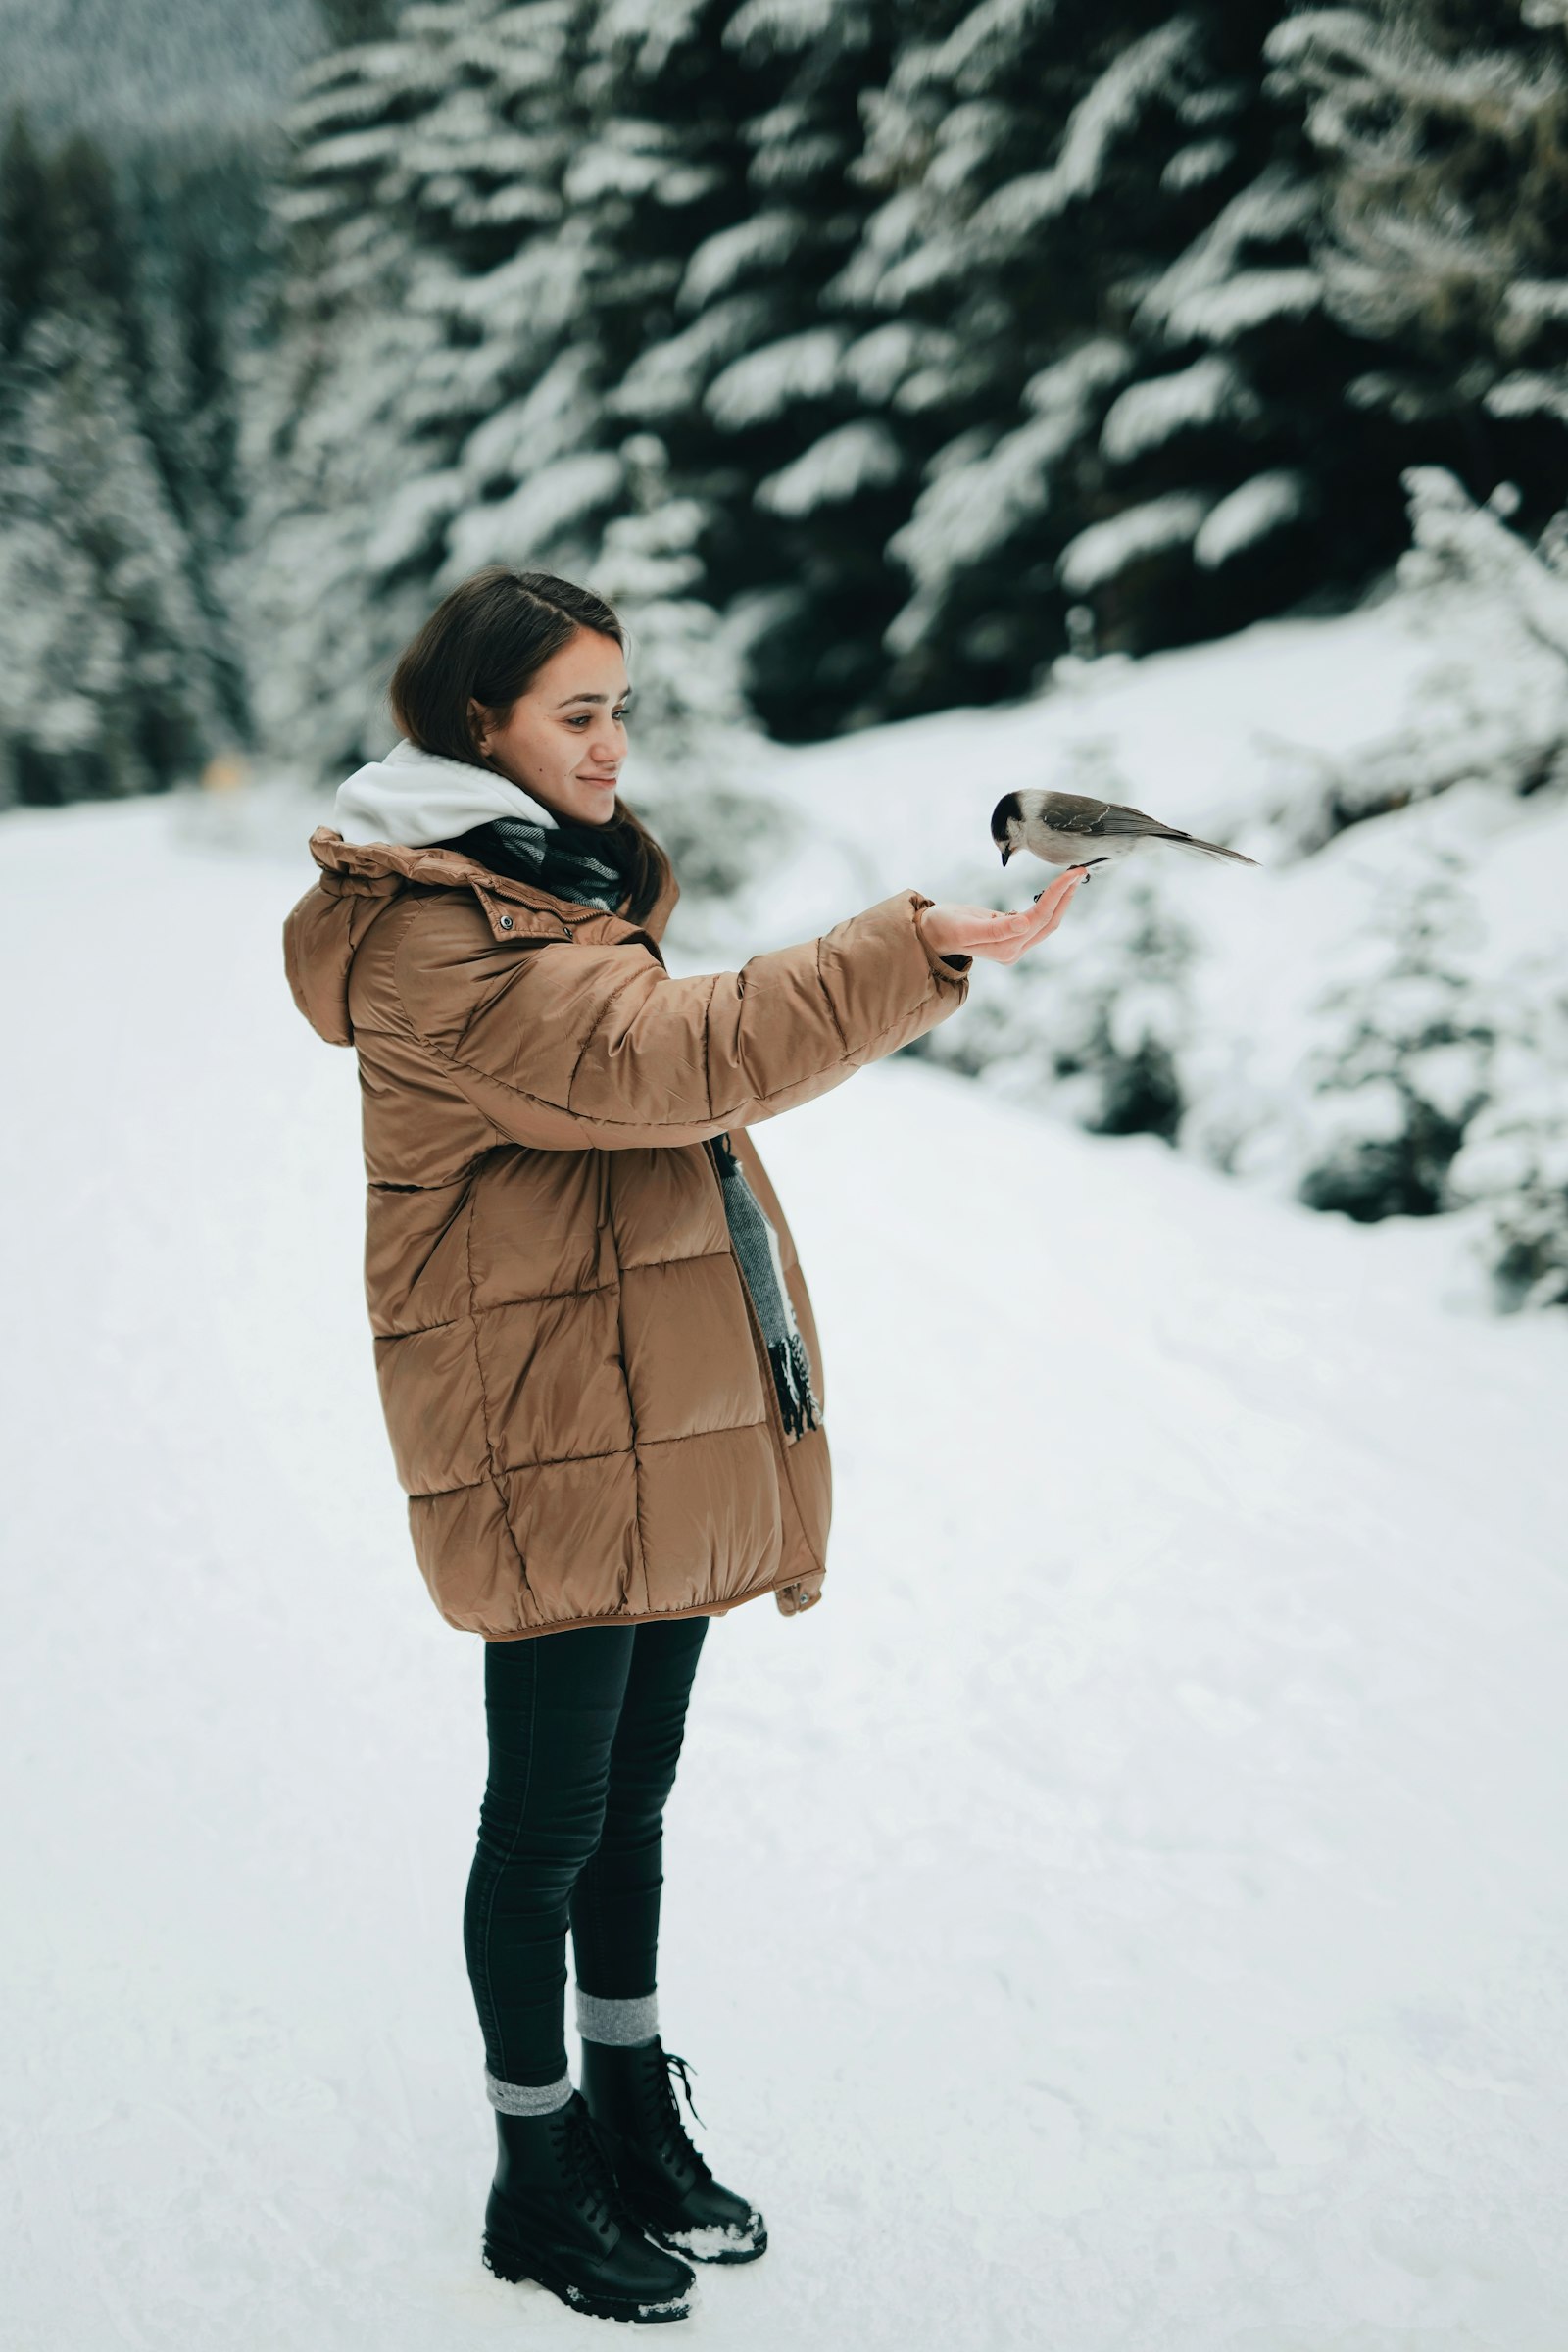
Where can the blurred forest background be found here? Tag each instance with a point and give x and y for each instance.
(880, 359)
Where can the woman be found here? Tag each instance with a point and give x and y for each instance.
(596, 1350)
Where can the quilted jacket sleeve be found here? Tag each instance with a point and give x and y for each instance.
(563, 1045)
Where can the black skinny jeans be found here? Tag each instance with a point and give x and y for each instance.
(585, 1732)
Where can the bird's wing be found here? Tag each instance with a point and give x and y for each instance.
(1120, 819)
(1075, 813)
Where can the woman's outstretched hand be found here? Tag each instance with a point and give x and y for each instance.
(1000, 938)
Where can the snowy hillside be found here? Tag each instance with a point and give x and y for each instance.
(1376, 1020)
(1126, 1917)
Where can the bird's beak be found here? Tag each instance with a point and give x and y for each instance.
(1005, 854)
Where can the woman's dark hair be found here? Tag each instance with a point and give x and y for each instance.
(489, 639)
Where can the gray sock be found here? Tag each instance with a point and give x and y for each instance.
(527, 2098)
(624, 2024)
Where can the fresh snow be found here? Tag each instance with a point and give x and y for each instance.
(1209, 392)
(1248, 513)
(1100, 554)
(1127, 1916)
(756, 388)
(762, 240)
(855, 456)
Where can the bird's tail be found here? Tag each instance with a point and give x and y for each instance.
(1207, 848)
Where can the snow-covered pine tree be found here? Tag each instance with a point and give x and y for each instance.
(193, 214)
(1513, 1163)
(484, 210)
(978, 331)
(657, 174)
(772, 425)
(23, 229)
(1459, 731)
(1116, 1040)
(1098, 1041)
(414, 268)
(1236, 478)
(1404, 1065)
(1043, 173)
(1440, 128)
(351, 21)
(111, 671)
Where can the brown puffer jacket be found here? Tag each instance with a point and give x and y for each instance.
(579, 1402)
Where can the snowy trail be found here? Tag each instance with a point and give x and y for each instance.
(1128, 1916)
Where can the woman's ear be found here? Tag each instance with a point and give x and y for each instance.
(479, 727)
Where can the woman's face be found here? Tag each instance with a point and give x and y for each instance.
(565, 739)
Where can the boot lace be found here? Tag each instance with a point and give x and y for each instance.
(589, 2176)
(666, 2115)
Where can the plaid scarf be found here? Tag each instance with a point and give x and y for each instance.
(751, 1229)
(574, 862)
(570, 861)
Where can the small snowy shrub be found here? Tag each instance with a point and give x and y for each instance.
(1460, 729)
(1115, 1045)
(1405, 1066)
(1514, 1160)
(1098, 1034)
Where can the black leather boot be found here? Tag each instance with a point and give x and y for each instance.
(556, 2215)
(663, 2178)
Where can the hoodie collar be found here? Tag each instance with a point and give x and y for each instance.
(413, 798)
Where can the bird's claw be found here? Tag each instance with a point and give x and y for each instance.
(1077, 869)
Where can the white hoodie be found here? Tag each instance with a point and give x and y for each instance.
(413, 798)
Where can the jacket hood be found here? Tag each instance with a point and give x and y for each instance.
(321, 934)
(413, 797)
(385, 819)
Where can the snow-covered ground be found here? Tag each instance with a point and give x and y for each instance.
(1130, 1915)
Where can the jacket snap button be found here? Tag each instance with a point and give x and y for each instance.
(506, 922)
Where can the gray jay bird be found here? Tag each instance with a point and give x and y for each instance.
(1068, 828)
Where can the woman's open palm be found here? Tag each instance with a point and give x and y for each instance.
(1000, 938)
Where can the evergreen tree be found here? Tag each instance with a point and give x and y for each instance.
(966, 328)
(1440, 128)
(369, 372)
(483, 215)
(108, 677)
(23, 209)
(759, 397)
(349, 22)
(1038, 167)
(1111, 216)
(192, 217)
(1405, 1066)
(1241, 432)
(1513, 1164)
